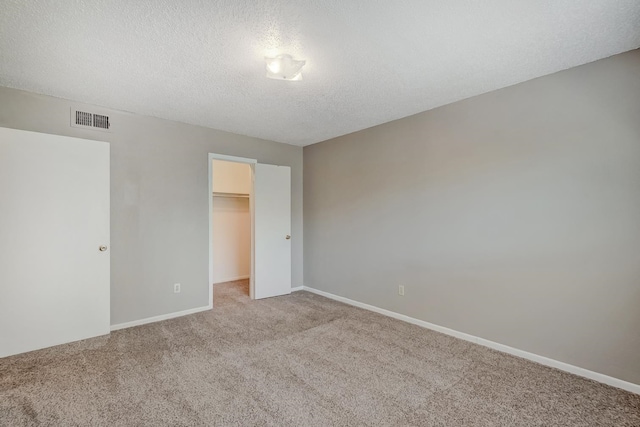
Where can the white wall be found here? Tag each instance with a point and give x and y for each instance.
(513, 216)
(231, 239)
(231, 222)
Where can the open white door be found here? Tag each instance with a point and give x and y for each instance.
(272, 194)
(54, 238)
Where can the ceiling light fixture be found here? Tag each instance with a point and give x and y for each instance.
(284, 67)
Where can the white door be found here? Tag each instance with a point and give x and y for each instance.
(54, 218)
(272, 195)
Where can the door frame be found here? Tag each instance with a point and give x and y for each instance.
(251, 163)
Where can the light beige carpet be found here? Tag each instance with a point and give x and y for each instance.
(299, 360)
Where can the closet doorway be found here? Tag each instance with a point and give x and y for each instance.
(231, 224)
(250, 227)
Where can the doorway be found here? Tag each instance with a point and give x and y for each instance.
(231, 224)
(249, 205)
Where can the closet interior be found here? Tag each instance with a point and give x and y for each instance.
(231, 222)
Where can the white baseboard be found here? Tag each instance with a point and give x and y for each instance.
(602, 378)
(159, 318)
(298, 288)
(232, 279)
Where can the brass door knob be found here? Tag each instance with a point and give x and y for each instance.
(102, 248)
(288, 237)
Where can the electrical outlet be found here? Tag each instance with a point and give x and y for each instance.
(401, 290)
(176, 288)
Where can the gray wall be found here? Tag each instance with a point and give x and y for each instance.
(513, 216)
(159, 199)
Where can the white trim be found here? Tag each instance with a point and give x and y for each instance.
(299, 288)
(602, 378)
(232, 279)
(251, 163)
(159, 318)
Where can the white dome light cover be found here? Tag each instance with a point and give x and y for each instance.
(284, 67)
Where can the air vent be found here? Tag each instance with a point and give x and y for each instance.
(100, 121)
(84, 119)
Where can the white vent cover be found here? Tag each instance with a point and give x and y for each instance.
(89, 120)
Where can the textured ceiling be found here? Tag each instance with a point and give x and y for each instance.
(368, 62)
